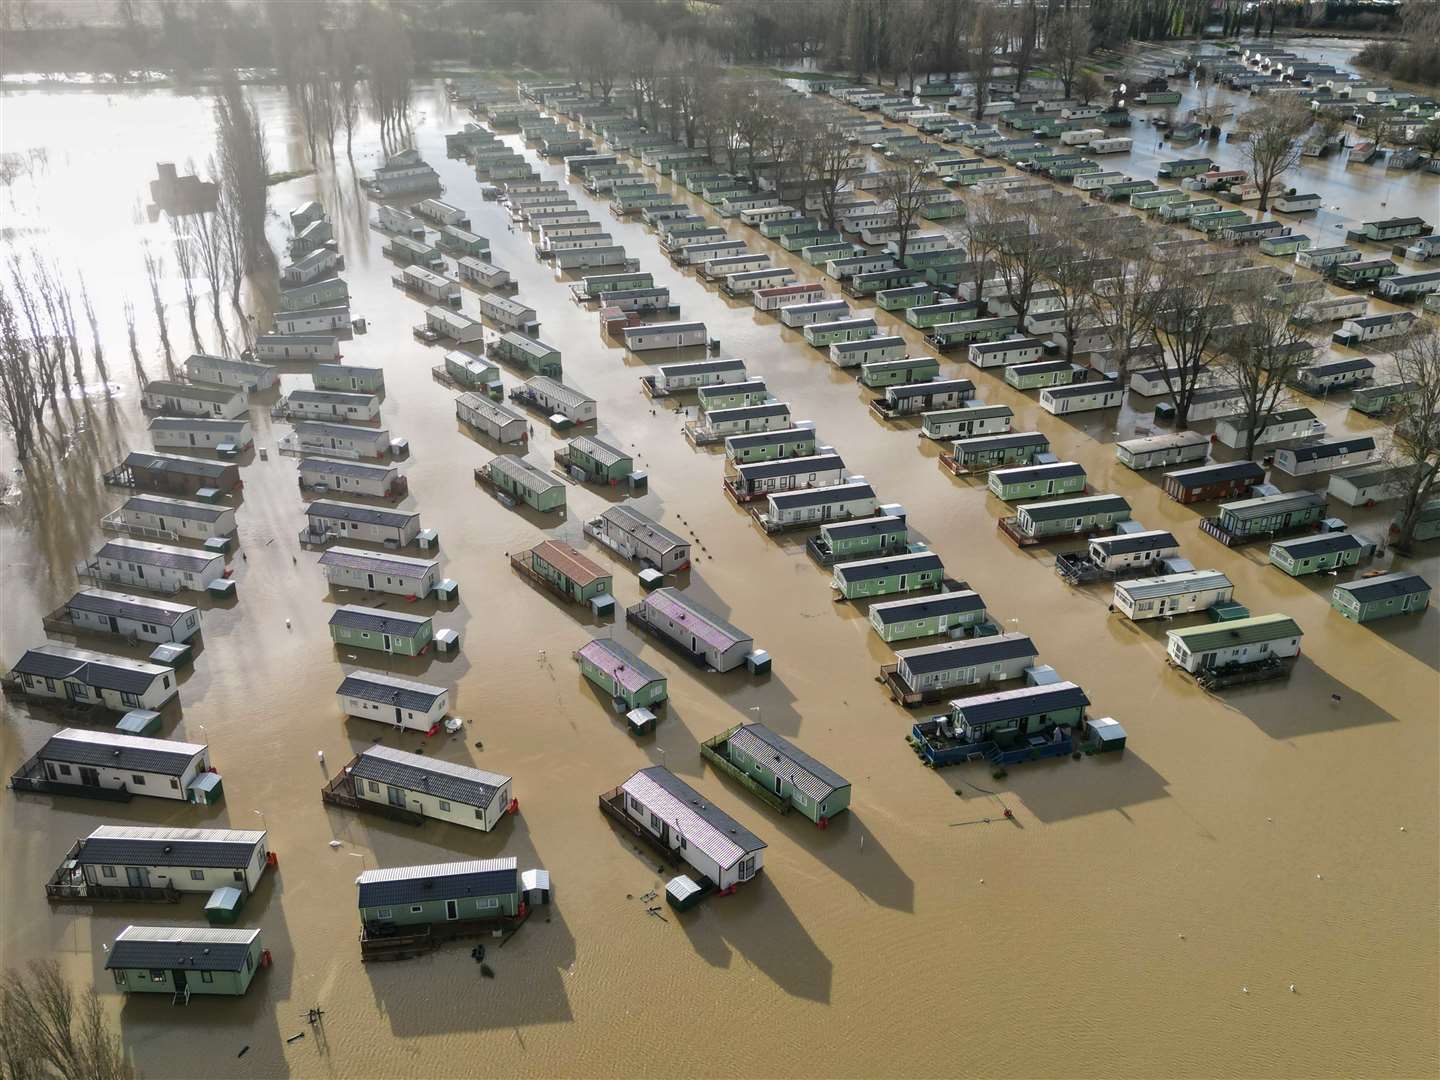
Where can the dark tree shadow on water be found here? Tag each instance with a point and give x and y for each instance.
(759, 925)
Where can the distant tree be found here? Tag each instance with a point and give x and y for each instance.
(835, 164)
(244, 169)
(1088, 87)
(1125, 298)
(1067, 44)
(1275, 342)
(1193, 314)
(984, 41)
(1276, 134)
(1415, 442)
(902, 189)
(45, 1032)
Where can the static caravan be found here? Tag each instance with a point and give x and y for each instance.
(117, 858)
(223, 371)
(423, 784)
(839, 502)
(329, 292)
(972, 419)
(428, 284)
(177, 475)
(746, 282)
(904, 297)
(796, 442)
(372, 571)
(1265, 515)
(403, 704)
(811, 312)
(1015, 350)
(555, 398)
(794, 473)
(838, 331)
(821, 253)
(937, 669)
(1378, 597)
(354, 626)
(707, 638)
(860, 538)
(171, 519)
(847, 354)
(1367, 485)
(1327, 258)
(715, 845)
(297, 347)
(332, 405)
(1340, 374)
(1042, 373)
(739, 419)
(348, 377)
(1156, 450)
(629, 681)
(440, 320)
(1206, 483)
(1281, 426)
(312, 320)
(1323, 552)
(330, 520)
(1327, 454)
(186, 432)
(507, 313)
(673, 378)
(983, 452)
(83, 677)
(1407, 288)
(671, 335)
(533, 354)
(408, 251)
(904, 371)
(596, 462)
(1172, 594)
(635, 536)
(588, 258)
(182, 961)
(155, 566)
(341, 439)
(1037, 481)
(923, 316)
(1378, 400)
(1070, 517)
(912, 398)
(887, 575)
(950, 613)
(352, 477)
(517, 478)
(1128, 551)
(482, 274)
(1364, 271)
(776, 297)
(723, 265)
(187, 399)
(648, 299)
(794, 776)
(141, 618)
(1081, 397)
(849, 267)
(1354, 332)
(1237, 641)
(968, 331)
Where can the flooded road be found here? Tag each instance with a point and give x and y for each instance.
(1251, 841)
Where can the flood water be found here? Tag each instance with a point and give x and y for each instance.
(1252, 840)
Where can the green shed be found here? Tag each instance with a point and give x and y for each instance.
(185, 960)
(599, 461)
(519, 479)
(622, 674)
(359, 627)
(1037, 481)
(777, 765)
(889, 574)
(223, 906)
(1368, 599)
(439, 893)
(1312, 554)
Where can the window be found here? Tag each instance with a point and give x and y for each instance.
(239, 875)
(50, 685)
(684, 844)
(206, 976)
(654, 820)
(416, 909)
(174, 784)
(64, 770)
(165, 681)
(383, 913)
(487, 902)
(479, 814)
(119, 977)
(157, 975)
(444, 805)
(137, 779)
(249, 962)
(197, 875)
(634, 802)
(107, 871)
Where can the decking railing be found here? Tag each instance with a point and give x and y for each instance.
(713, 751)
(340, 791)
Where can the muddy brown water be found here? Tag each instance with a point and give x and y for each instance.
(1251, 840)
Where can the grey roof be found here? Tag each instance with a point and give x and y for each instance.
(1385, 586)
(388, 690)
(1001, 442)
(356, 617)
(1025, 474)
(341, 431)
(356, 559)
(741, 412)
(783, 758)
(1216, 472)
(817, 496)
(884, 566)
(700, 367)
(1027, 701)
(1303, 547)
(438, 881)
(418, 772)
(338, 467)
(1040, 367)
(970, 652)
(1008, 344)
(125, 606)
(136, 845)
(1124, 543)
(927, 607)
(370, 515)
(230, 363)
(181, 947)
(197, 423)
(1084, 389)
(523, 474)
(1078, 507)
(113, 750)
(1265, 505)
(176, 463)
(699, 821)
(327, 312)
(928, 389)
(600, 452)
(180, 508)
(871, 526)
(789, 466)
(92, 668)
(770, 438)
(1173, 584)
(1338, 367)
(331, 397)
(1333, 448)
(216, 394)
(655, 534)
(172, 558)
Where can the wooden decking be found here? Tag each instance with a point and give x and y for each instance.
(408, 942)
(713, 751)
(612, 805)
(340, 791)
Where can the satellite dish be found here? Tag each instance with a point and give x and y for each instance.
(1122, 88)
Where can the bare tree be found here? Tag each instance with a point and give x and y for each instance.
(154, 272)
(1125, 299)
(1415, 444)
(835, 164)
(45, 1032)
(1076, 267)
(982, 49)
(1276, 134)
(1270, 350)
(44, 356)
(185, 266)
(1023, 257)
(1088, 87)
(206, 232)
(96, 348)
(18, 391)
(1193, 314)
(1067, 44)
(244, 169)
(903, 189)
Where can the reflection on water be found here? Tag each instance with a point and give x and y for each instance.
(1263, 827)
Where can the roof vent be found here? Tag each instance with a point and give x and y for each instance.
(114, 753)
(167, 849)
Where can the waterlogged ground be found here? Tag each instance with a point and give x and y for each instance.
(1283, 834)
